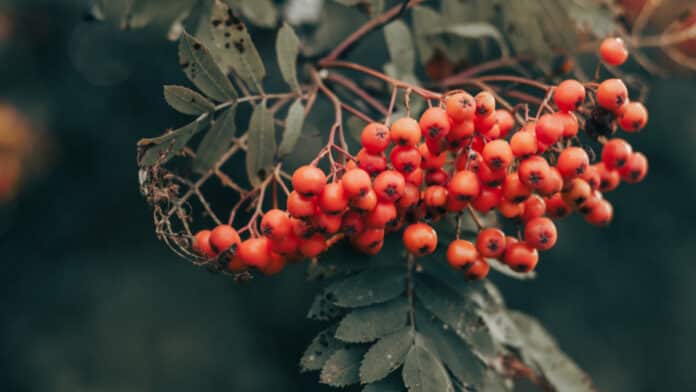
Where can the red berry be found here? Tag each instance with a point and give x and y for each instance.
(308, 180)
(464, 186)
(497, 154)
(505, 121)
(371, 163)
(369, 240)
(576, 193)
(275, 264)
(570, 124)
(352, 223)
(375, 138)
(615, 153)
(540, 233)
(514, 190)
(534, 207)
(613, 51)
(313, 246)
(420, 239)
(255, 252)
(327, 224)
(224, 238)
(460, 106)
(591, 176)
(276, 224)
(299, 206)
(490, 177)
(461, 253)
(485, 104)
(510, 210)
(533, 171)
(381, 215)
(364, 203)
(635, 169)
(410, 198)
(488, 199)
(405, 159)
(434, 123)
(556, 207)
(569, 95)
(477, 270)
(549, 128)
(491, 242)
(201, 244)
(356, 182)
(460, 133)
(430, 160)
(633, 116)
(435, 196)
(389, 185)
(572, 162)
(608, 179)
(405, 132)
(521, 257)
(333, 200)
(612, 94)
(415, 177)
(523, 143)
(601, 214)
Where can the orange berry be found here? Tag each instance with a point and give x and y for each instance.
(299, 206)
(615, 153)
(352, 223)
(490, 242)
(255, 252)
(405, 132)
(549, 128)
(389, 185)
(276, 224)
(381, 215)
(368, 240)
(534, 207)
(485, 104)
(464, 185)
(435, 196)
(633, 116)
(601, 214)
(608, 179)
(430, 160)
(553, 183)
(556, 207)
(415, 177)
(612, 94)
(514, 190)
(523, 144)
(570, 124)
(460, 106)
(356, 182)
(224, 238)
(533, 171)
(540, 233)
(420, 239)
(521, 257)
(613, 51)
(434, 123)
(572, 162)
(275, 265)
(287, 246)
(301, 228)
(333, 200)
(490, 177)
(365, 203)
(505, 121)
(410, 198)
(308, 180)
(313, 246)
(577, 192)
(477, 270)
(375, 138)
(454, 204)
(591, 175)
(201, 244)
(569, 95)
(436, 177)
(497, 154)
(405, 159)
(460, 133)
(485, 124)
(327, 224)
(371, 163)
(510, 210)
(488, 199)
(461, 253)
(635, 169)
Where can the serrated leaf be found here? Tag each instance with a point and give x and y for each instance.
(369, 287)
(287, 48)
(198, 65)
(502, 328)
(479, 30)
(216, 141)
(370, 323)
(447, 305)
(392, 383)
(423, 371)
(323, 309)
(260, 12)
(322, 347)
(235, 46)
(187, 101)
(261, 144)
(451, 349)
(507, 271)
(342, 368)
(293, 129)
(161, 149)
(386, 355)
(400, 46)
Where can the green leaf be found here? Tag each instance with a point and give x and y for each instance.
(525, 33)
(369, 287)
(293, 129)
(392, 383)
(320, 350)
(423, 371)
(236, 49)
(447, 305)
(216, 141)
(198, 65)
(287, 48)
(260, 12)
(323, 309)
(342, 368)
(400, 45)
(451, 349)
(502, 328)
(479, 30)
(187, 101)
(593, 16)
(161, 149)
(261, 144)
(386, 355)
(494, 382)
(425, 21)
(370, 323)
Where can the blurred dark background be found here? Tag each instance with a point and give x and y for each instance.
(91, 301)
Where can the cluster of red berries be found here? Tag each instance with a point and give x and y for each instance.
(472, 158)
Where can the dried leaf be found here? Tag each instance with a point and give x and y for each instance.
(261, 144)
(196, 61)
(163, 148)
(187, 101)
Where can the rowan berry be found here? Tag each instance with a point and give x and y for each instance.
(490, 242)
(633, 116)
(235, 264)
(437, 146)
(490, 177)
(591, 202)
(533, 171)
(255, 252)
(415, 177)
(364, 203)
(572, 162)
(613, 51)
(308, 180)
(487, 199)
(375, 138)
(356, 182)
(326, 223)
(405, 132)
(635, 169)
(369, 240)
(477, 144)
(569, 95)
(275, 264)
(460, 133)
(591, 175)
(523, 144)
(477, 270)
(287, 246)
(615, 153)
(534, 207)
(521, 257)
(333, 200)
(299, 206)
(405, 159)
(313, 246)
(371, 163)
(492, 132)
(436, 177)
(556, 207)
(612, 94)
(410, 198)
(552, 184)
(461, 253)
(430, 160)
(434, 123)
(510, 210)
(201, 244)
(389, 185)
(420, 239)
(497, 154)
(540, 233)
(601, 214)
(460, 106)
(549, 128)
(570, 124)
(301, 228)
(577, 192)
(435, 196)
(464, 185)
(608, 179)
(352, 223)
(383, 213)
(485, 124)
(514, 190)
(275, 224)
(485, 104)
(454, 204)
(224, 238)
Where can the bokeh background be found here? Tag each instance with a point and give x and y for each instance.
(91, 301)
